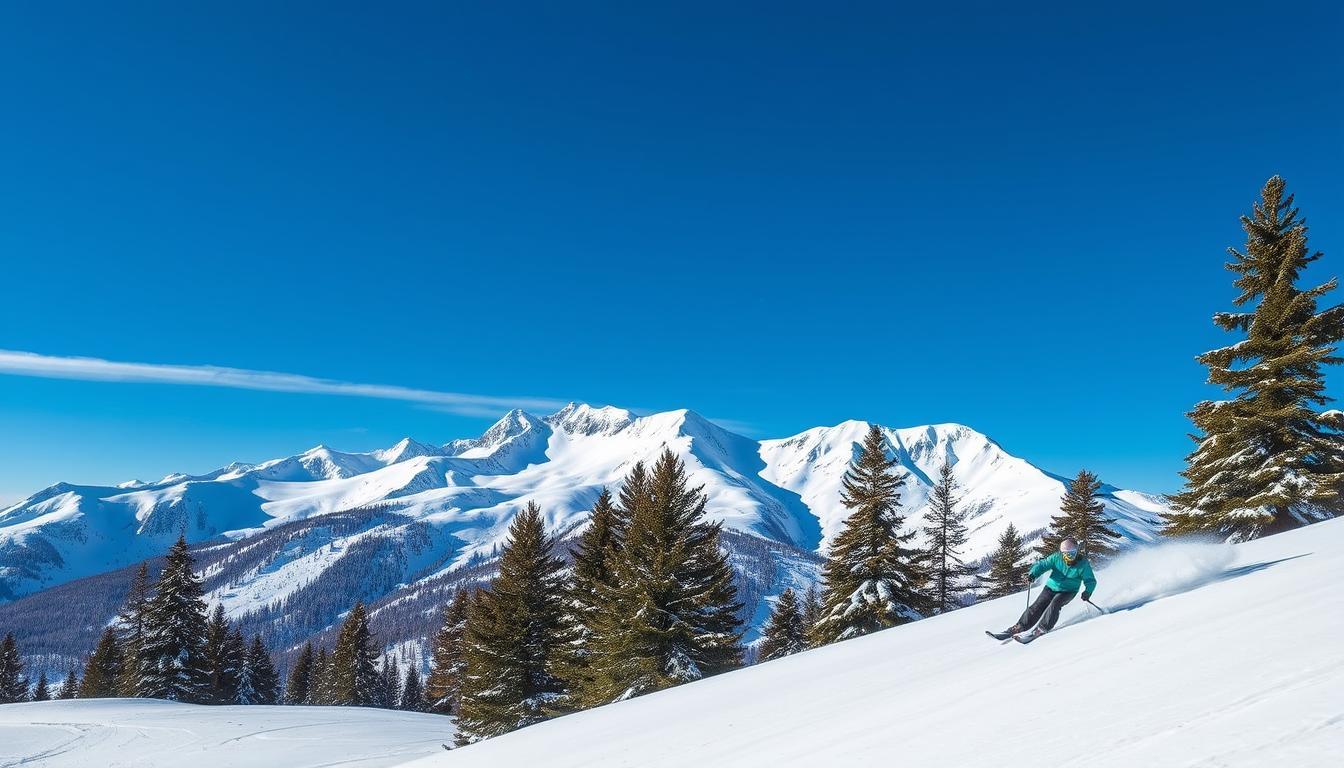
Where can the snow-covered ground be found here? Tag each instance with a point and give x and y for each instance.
(1212, 656)
(107, 733)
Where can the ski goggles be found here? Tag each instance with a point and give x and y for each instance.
(1069, 554)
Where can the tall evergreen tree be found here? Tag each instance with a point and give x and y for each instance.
(300, 677)
(173, 663)
(103, 671)
(319, 688)
(945, 532)
(512, 634)
(13, 685)
(222, 663)
(259, 683)
(412, 691)
(1269, 458)
(591, 572)
(872, 577)
(43, 691)
(131, 627)
(1083, 516)
(449, 662)
(1008, 566)
(784, 633)
(670, 614)
(354, 678)
(70, 688)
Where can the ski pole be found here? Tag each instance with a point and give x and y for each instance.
(1098, 607)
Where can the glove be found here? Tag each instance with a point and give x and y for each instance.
(1087, 596)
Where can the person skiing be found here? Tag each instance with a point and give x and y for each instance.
(1068, 571)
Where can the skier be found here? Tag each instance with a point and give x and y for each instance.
(1068, 571)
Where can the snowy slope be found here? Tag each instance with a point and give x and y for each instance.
(1212, 656)
(159, 734)
(453, 504)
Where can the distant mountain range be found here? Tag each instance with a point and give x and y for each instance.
(434, 514)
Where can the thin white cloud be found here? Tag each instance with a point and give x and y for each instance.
(95, 369)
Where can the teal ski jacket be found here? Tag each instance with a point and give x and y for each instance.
(1065, 577)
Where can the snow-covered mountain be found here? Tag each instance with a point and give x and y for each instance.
(445, 508)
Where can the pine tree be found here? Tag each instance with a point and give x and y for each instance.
(512, 633)
(591, 572)
(1268, 459)
(670, 614)
(131, 626)
(42, 692)
(872, 577)
(784, 633)
(945, 532)
(811, 614)
(173, 664)
(103, 671)
(354, 679)
(13, 685)
(300, 677)
(70, 688)
(319, 689)
(1083, 516)
(390, 685)
(449, 661)
(412, 691)
(235, 687)
(1008, 566)
(221, 666)
(260, 684)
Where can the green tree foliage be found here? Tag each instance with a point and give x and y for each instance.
(448, 663)
(590, 575)
(812, 610)
(13, 685)
(298, 688)
(223, 660)
(945, 534)
(512, 634)
(1008, 566)
(1269, 458)
(784, 633)
(412, 691)
(259, 682)
(670, 614)
(131, 629)
(319, 689)
(70, 688)
(42, 692)
(389, 694)
(873, 578)
(173, 664)
(1083, 516)
(103, 670)
(354, 678)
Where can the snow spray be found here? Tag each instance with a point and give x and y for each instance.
(1148, 573)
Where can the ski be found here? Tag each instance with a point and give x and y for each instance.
(1000, 635)
(1026, 637)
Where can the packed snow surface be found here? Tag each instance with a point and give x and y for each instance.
(1211, 656)
(109, 733)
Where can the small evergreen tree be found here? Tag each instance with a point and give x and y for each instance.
(412, 691)
(103, 670)
(1268, 459)
(811, 612)
(222, 665)
(512, 634)
(260, 682)
(872, 577)
(784, 633)
(236, 686)
(42, 692)
(1008, 566)
(945, 534)
(591, 572)
(390, 695)
(70, 688)
(670, 614)
(13, 685)
(300, 677)
(173, 663)
(319, 689)
(449, 662)
(354, 678)
(1083, 516)
(131, 629)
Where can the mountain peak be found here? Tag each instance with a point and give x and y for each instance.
(584, 419)
(406, 448)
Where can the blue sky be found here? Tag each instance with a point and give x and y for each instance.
(777, 214)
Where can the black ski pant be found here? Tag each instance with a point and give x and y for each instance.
(1045, 609)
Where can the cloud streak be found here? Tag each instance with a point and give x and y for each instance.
(95, 369)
